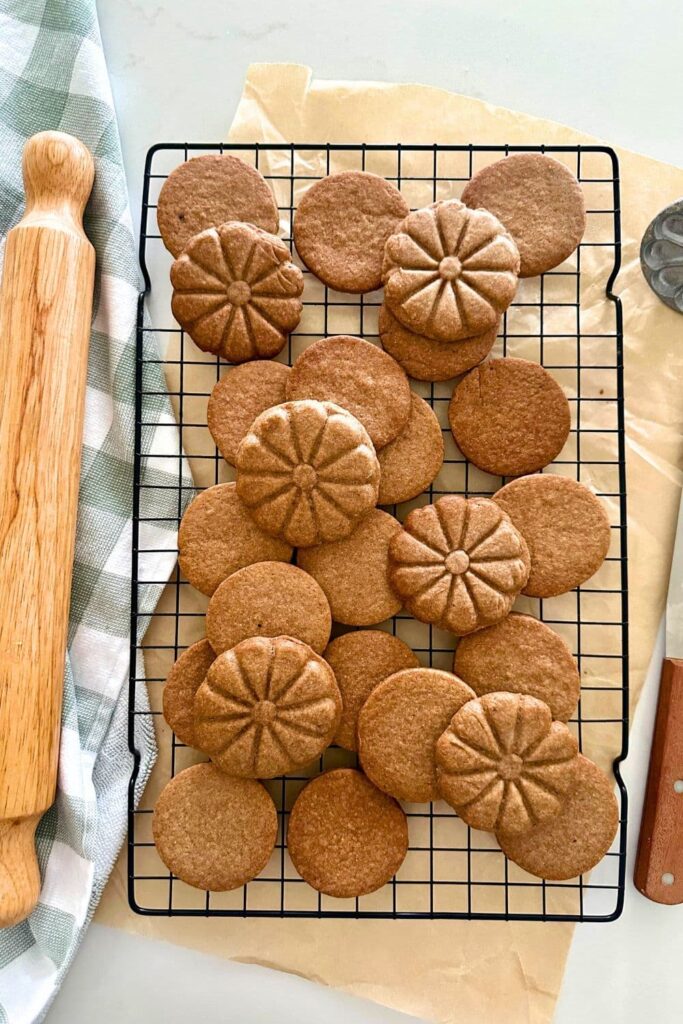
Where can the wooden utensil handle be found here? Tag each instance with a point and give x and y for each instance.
(45, 310)
(659, 861)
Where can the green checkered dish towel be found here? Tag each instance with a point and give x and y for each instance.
(53, 76)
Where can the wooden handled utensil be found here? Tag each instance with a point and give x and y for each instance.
(45, 310)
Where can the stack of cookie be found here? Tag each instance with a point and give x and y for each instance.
(296, 547)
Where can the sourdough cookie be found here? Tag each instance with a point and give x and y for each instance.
(236, 292)
(210, 190)
(539, 201)
(239, 397)
(409, 463)
(509, 417)
(268, 599)
(353, 572)
(213, 831)
(565, 526)
(308, 472)
(182, 682)
(503, 763)
(450, 272)
(341, 226)
(360, 660)
(577, 838)
(425, 359)
(217, 536)
(357, 376)
(266, 707)
(398, 727)
(521, 655)
(458, 563)
(344, 836)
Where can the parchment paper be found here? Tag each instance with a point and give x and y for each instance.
(467, 971)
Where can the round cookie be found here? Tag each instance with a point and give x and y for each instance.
(217, 536)
(239, 397)
(345, 837)
(210, 190)
(357, 376)
(353, 572)
(539, 201)
(341, 225)
(521, 655)
(268, 599)
(577, 838)
(409, 463)
(424, 358)
(509, 417)
(266, 707)
(565, 526)
(398, 727)
(360, 660)
(213, 831)
(182, 682)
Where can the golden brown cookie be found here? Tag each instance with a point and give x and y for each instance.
(565, 526)
(450, 272)
(398, 727)
(577, 838)
(521, 655)
(218, 536)
(344, 836)
(360, 660)
(458, 563)
(341, 225)
(307, 471)
(213, 831)
(353, 572)
(183, 681)
(539, 201)
(357, 376)
(409, 463)
(210, 190)
(266, 707)
(509, 417)
(236, 292)
(239, 397)
(426, 359)
(268, 599)
(503, 763)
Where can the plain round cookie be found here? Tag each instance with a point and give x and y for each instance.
(577, 838)
(399, 725)
(360, 660)
(424, 358)
(268, 599)
(239, 397)
(210, 190)
(341, 226)
(345, 837)
(359, 377)
(217, 536)
(509, 417)
(353, 571)
(186, 676)
(213, 831)
(565, 526)
(409, 463)
(539, 201)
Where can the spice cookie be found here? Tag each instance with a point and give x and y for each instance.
(345, 837)
(217, 536)
(239, 397)
(236, 292)
(360, 660)
(450, 272)
(409, 463)
(268, 599)
(341, 225)
(307, 471)
(425, 359)
(183, 681)
(565, 526)
(213, 831)
(210, 190)
(357, 376)
(539, 201)
(509, 417)
(353, 572)
(458, 563)
(521, 655)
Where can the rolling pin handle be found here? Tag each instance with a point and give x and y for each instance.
(58, 176)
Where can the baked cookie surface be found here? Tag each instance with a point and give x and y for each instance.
(239, 397)
(424, 358)
(409, 463)
(186, 676)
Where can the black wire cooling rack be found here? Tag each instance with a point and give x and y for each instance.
(570, 320)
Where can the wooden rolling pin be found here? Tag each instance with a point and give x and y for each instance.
(45, 310)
